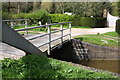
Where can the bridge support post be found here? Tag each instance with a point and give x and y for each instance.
(12, 25)
(26, 26)
(49, 40)
(70, 31)
(61, 29)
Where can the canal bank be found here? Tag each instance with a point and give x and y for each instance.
(87, 54)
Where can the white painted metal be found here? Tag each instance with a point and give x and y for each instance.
(70, 30)
(61, 29)
(49, 40)
(26, 26)
(49, 33)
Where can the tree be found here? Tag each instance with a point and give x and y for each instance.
(87, 8)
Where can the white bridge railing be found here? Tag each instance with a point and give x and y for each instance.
(49, 32)
(17, 22)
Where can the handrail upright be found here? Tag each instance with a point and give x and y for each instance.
(49, 40)
(70, 30)
(61, 29)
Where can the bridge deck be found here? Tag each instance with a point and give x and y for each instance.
(9, 51)
(12, 52)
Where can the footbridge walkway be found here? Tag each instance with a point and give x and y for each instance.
(34, 43)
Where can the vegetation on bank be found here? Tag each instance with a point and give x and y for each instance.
(44, 29)
(32, 66)
(118, 26)
(94, 22)
(44, 17)
(110, 39)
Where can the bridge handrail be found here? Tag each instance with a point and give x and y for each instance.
(22, 29)
(49, 34)
(15, 20)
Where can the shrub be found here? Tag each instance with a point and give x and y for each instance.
(89, 21)
(35, 17)
(19, 16)
(118, 26)
(56, 18)
(6, 16)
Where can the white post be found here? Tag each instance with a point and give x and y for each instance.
(11, 24)
(49, 39)
(46, 26)
(26, 26)
(61, 29)
(40, 24)
(70, 30)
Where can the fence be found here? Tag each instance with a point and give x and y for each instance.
(49, 33)
(17, 22)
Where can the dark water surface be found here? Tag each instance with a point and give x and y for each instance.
(108, 65)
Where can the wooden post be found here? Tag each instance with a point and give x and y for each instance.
(49, 39)
(61, 29)
(70, 30)
(26, 26)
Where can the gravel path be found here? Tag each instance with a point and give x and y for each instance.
(81, 31)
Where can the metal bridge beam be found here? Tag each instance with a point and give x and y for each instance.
(11, 37)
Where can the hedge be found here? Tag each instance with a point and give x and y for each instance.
(94, 22)
(118, 26)
(56, 18)
(34, 17)
(6, 16)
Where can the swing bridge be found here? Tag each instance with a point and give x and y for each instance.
(35, 43)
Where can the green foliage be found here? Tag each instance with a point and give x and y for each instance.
(56, 18)
(89, 21)
(87, 9)
(113, 34)
(34, 31)
(19, 16)
(6, 16)
(118, 26)
(111, 38)
(34, 17)
(119, 8)
(32, 66)
(115, 10)
(39, 15)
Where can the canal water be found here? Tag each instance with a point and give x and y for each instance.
(108, 65)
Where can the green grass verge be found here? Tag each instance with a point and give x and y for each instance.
(66, 26)
(32, 66)
(36, 29)
(106, 39)
(113, 34)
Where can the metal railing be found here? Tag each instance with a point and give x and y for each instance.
(49, 32)
(17, 22)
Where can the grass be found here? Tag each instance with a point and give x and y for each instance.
(38, 30)
(32, 66)
(66, 26)
(113, 34)
(33, 31)
(109, 39)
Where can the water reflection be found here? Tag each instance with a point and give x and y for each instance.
(109, 65)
